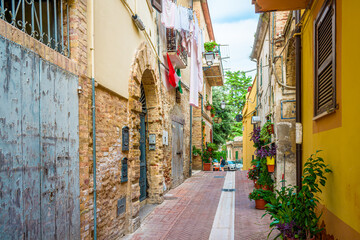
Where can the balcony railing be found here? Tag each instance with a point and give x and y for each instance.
(44, 20)
(176, 51)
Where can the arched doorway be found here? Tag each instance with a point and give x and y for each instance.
(143, 169)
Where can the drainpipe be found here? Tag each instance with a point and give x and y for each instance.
(202, 131)
(298, 97)
(92, 48)
(191, 120)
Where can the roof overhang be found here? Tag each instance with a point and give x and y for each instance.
(259, 35)
(279, 5)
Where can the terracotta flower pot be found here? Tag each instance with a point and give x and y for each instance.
(257, 186)
(260, 204)
(208, 107)
(271, 168)
(207, 166)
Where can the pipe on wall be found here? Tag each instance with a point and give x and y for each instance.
(298, 97)
(92, 51)
(191, 121)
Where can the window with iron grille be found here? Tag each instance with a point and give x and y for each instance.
(44, 20)
(325, 61)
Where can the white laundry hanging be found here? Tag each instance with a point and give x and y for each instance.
(168, 14)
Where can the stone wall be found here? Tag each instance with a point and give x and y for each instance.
(284, 100)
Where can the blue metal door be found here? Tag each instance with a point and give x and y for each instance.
(142, 180)
(39, 148)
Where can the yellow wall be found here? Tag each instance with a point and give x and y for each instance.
(117, 39)
(336, 134)
(248, 146)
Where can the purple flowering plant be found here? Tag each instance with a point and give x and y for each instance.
(255, 137)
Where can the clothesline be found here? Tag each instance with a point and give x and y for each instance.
(184, 20)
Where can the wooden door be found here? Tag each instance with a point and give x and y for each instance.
(177, 162)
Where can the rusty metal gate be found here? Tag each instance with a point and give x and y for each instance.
(39, 148)
(177, 162)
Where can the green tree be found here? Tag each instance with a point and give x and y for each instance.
(236, 86)
(221, 130)
(234, 94)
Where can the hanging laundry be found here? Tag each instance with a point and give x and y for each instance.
(184, 23)
(168, 14)
(171, 72)
(178, 80)
(194, 75)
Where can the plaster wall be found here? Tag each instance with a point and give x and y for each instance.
(337, 133)
(117, 39)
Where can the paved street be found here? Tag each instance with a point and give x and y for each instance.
(199, 209)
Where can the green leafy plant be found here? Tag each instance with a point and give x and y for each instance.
(258, 194)
(265, 134)
(294, 213)
(253, 173)
(196, 151)
(213, 111)
(210, 46)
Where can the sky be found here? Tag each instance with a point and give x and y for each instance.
(234, 23)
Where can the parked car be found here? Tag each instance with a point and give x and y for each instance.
(239, 166)
(229, 166)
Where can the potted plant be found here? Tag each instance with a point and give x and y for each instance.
(265, 181)
(265, 135)
(210, 46)
(208, 106)
(293, 212)
(203, 123)
(261, 197)
(212, 111)
(196, 151)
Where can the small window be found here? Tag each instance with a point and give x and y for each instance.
(325, 62)
(46, 21)
(157, 4)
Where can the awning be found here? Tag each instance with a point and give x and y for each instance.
(279, 5)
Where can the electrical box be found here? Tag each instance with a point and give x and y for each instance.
(165, 138)
(152, 141)
(125, 138)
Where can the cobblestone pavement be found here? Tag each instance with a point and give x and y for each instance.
(188, 211)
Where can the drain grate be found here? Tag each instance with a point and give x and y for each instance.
(228, 189)
(219, 177)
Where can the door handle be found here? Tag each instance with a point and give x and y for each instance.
(179, 153)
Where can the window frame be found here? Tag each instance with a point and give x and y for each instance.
(330, 108)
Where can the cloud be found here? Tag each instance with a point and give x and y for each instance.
(234, 23)
(239, 36)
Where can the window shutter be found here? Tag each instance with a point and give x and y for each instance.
(325, 61)
(157, 4)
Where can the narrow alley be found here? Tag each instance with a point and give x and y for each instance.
(179, 120)
(206, 207)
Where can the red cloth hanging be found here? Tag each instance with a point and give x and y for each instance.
(171, 72)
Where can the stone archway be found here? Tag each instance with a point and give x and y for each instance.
(143, 71)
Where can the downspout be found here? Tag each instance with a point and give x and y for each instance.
(202, 129)
(298, 97)
(92, 48)
(191, 120)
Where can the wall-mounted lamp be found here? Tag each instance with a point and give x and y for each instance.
(138, 22)
(209, 57)
(255, 119)
(223, 104)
